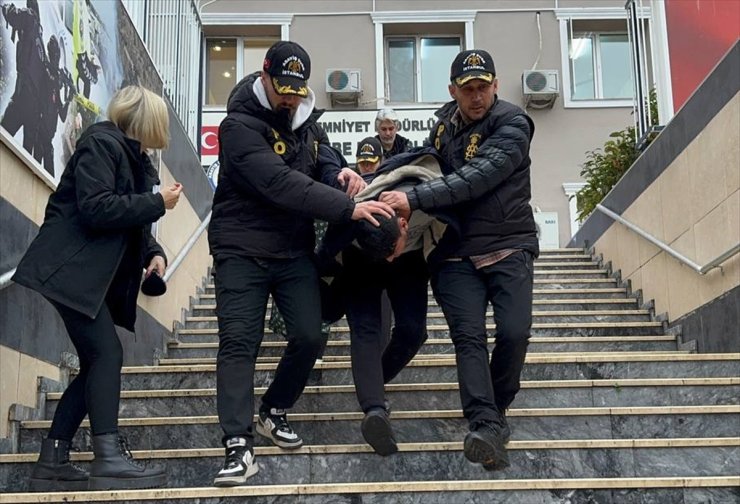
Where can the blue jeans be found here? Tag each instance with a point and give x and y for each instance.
(243, 285)
(463, 292)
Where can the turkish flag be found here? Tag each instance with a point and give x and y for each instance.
(209, 141)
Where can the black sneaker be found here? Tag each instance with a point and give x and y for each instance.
(239, 464)
(485, 445)
(273, 425)
(377, 431)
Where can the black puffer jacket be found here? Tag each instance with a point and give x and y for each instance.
(96, 236)
(269, 188)
(486, 182)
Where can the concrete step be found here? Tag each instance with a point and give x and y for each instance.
(697, 489)
(704, 489)
(415, 396)
(577, 458)
(558, 282)
(538, 294)
(544, 316)
(409, 426)
(436, 331)
(596, 365)
(208, 307)
(180, 350)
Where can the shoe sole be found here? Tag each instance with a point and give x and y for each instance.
(378, 433)
(480, 451)
(230, 481)
(112, 483)
(277, 442)
(45, 485)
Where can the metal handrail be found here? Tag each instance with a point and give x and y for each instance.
(185, 250)
(702, 270)
(5, 280)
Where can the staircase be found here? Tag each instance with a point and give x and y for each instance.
(610, 411)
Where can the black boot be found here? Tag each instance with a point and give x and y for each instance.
(114, 468)
(54, 471)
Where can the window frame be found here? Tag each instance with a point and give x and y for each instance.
(241, 21)
(565, 18)
(380, 19)
(417, 38)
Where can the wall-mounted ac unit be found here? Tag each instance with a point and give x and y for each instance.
(343, 80)
(536, 83)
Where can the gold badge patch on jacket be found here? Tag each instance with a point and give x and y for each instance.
(279, 146)
(472, 149)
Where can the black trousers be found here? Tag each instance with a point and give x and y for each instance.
(463, 292)
(96, 390)
(243, 285)
(375, 360)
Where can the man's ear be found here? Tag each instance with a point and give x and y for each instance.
(452, 89)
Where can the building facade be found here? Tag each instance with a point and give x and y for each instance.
(566, 61)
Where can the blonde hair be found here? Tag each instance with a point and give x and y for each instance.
(142, 115)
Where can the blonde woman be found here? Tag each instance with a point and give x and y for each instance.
(87, 261)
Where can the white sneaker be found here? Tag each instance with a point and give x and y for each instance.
(239, 464)
(274, 426)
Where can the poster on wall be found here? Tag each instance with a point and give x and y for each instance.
(61, 61)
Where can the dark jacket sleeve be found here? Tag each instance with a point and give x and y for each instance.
(330, 163)
(95, 184)
(254, 167)
(497, 158)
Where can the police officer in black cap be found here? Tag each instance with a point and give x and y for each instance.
(261, 237)
(484, 142)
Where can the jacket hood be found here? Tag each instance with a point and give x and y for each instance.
(249, 97)
(110, 129)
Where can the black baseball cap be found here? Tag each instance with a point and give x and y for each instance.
(289, 66)
(369, 149)
(472, 64)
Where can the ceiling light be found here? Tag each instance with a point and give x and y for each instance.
(217, 48)
(227, 74)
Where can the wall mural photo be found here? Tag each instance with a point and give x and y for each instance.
(61, 61)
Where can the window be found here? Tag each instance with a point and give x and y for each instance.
(220, 70)
(228, 60)
(600, 66)
(254, 53)
(597, 62)
(418, 67)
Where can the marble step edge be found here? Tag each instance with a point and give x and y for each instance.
(711, 409)
(441, 387)
(563, 358)
(382, 488)
(600, 290)
(540, 280)
(189, 361)
(431, 446)
(178, 345)
(445, 386)
(443, 327)
(535, 313)
(535, 301)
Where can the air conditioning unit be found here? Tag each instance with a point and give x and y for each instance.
(536, 83)
(343, 80)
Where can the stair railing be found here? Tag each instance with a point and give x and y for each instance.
(5, 278)
(702, 270)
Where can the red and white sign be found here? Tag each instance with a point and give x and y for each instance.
(209, 141)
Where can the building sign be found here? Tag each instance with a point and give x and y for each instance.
(345, 128)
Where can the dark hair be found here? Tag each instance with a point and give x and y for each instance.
(378, 243)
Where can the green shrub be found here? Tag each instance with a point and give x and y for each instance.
(605, 166)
